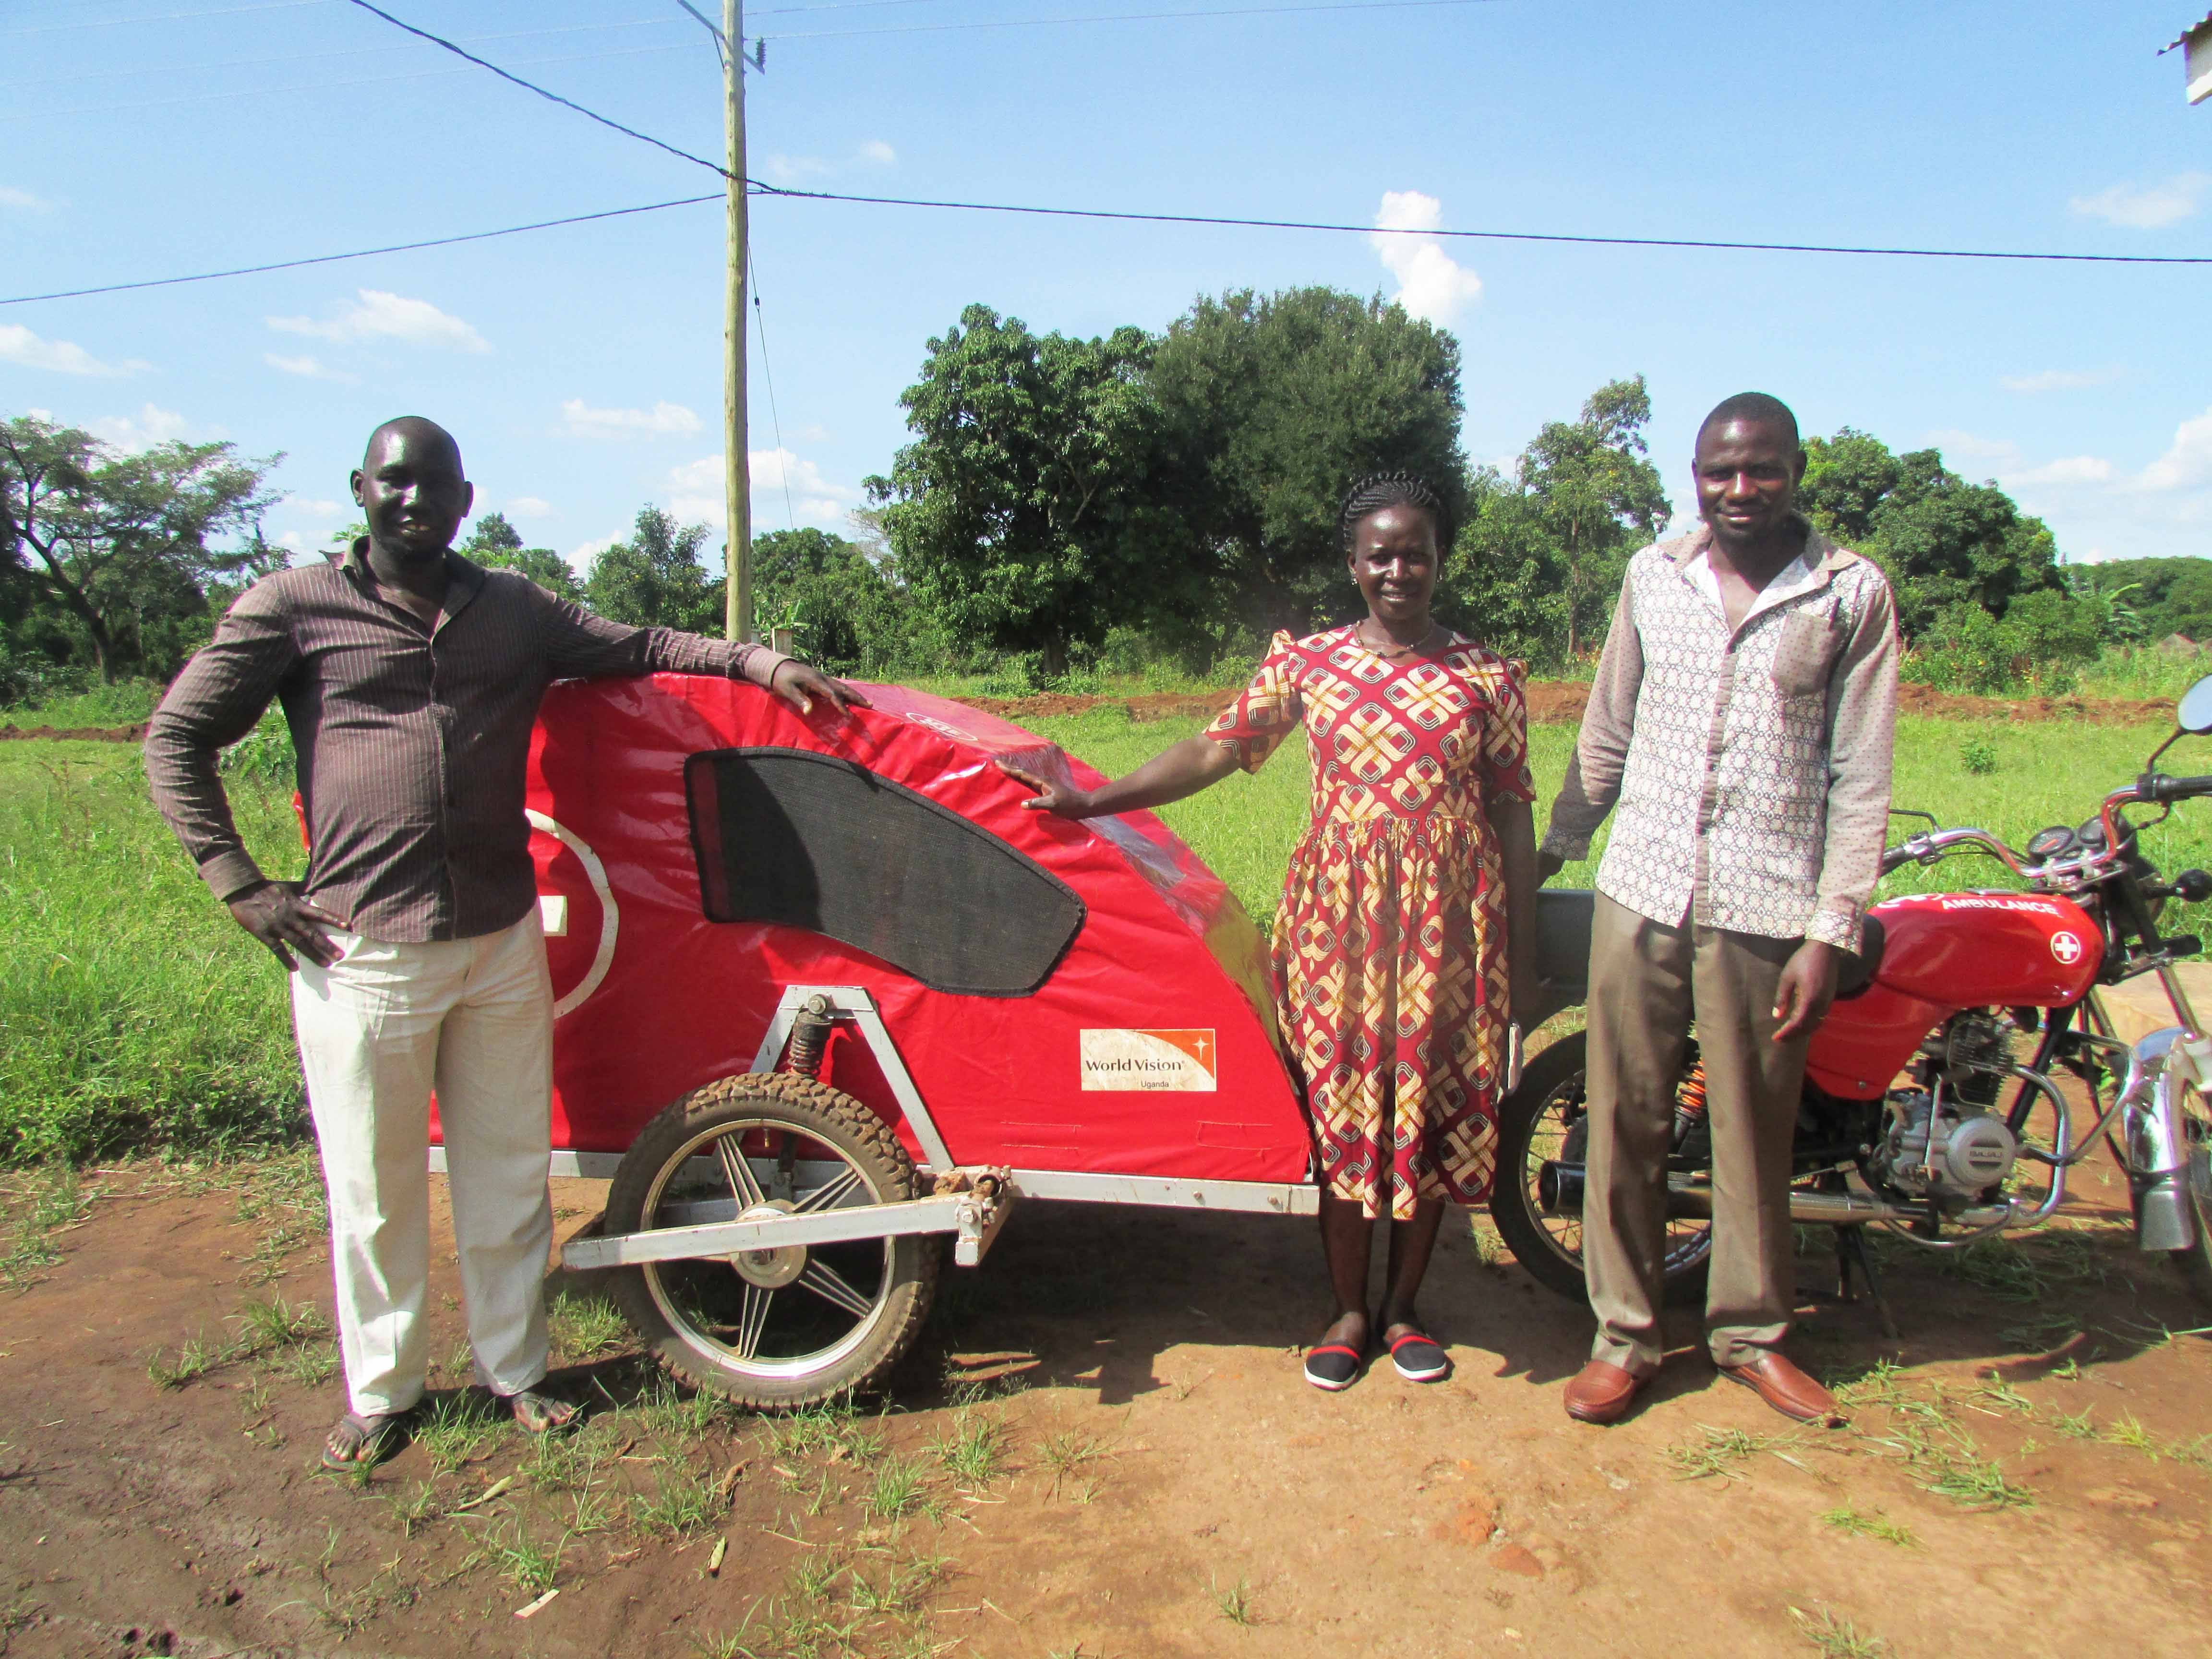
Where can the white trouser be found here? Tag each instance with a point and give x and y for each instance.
(379, 1029)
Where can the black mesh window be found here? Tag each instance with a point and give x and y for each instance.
(809, 841)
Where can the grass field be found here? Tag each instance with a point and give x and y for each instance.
(134, 1013)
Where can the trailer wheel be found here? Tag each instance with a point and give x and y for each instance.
(1544, 1120)
(783, 1327)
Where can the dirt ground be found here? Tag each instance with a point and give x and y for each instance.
(1102, 1446)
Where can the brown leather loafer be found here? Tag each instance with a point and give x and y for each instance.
(1786, 1388)
(1602, 1392)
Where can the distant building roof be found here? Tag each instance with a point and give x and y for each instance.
(2197, 63)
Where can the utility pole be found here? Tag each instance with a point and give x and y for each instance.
(737, 486)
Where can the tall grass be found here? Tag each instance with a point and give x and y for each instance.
(2044, 772)
(133, 1011)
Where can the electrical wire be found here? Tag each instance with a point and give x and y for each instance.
(363, 253)
(760, 330)
(755, 187)
(1129, 17)
(531, 86)
(317, 57)
(760, 188)
(165, 17)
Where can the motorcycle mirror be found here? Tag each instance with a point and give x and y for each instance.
(2194, 712)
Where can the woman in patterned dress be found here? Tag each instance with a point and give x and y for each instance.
(1406, 930)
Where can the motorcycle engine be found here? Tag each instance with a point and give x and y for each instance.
(1946, 1142)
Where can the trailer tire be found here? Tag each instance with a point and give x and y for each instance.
(1549, 1082)
(658, 1299)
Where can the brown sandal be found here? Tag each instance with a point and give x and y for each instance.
(362, 1440)
(538, 1412)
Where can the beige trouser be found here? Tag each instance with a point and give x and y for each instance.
(1648, 982)
(379, 1029)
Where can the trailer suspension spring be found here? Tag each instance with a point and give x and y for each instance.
(810, 1035)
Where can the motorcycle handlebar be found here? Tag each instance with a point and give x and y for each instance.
(2161, 789)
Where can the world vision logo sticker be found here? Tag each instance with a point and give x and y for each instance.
(1119, 1059)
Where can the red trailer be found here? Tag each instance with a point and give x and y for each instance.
(828, 994)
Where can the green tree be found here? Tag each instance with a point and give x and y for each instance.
(116, 549)
(843, 605)
(1024, 513)
(497, 545)
(1944, 541)
(1273, 404)
(654, 580)
(1540, 561)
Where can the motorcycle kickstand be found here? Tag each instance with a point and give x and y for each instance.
(1851, 1251)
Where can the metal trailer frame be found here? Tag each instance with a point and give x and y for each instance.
(970, 1204)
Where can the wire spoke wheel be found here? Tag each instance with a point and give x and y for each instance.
(1547, 1122)
(783, 1325)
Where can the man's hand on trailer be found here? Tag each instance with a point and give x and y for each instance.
(799, 683)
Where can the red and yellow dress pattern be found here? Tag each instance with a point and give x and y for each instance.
(1389, 948)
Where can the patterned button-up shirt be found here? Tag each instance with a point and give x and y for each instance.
(1750, 767)
(413, 739)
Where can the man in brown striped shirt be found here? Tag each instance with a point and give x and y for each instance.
(410, 678)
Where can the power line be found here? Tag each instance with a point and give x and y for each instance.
(783, 465)
(531, 86)
(316, 57)
(1130, 17)
(757, 188)
(318, 86)
(1493, 235)
(359, 253)
(165, 17)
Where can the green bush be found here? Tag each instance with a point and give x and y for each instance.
(134, 1013)
(1978, 756)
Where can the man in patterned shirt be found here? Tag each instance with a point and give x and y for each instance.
(1742, 722)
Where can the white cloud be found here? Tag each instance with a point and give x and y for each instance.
(698, 487)
(311, 369)
(789, 169)
(2068, 470)
(378, 315)
(19, 346)
(529, 507)
(12, 198)
(2147, 207)
(662, 420)
(1431, 284)
(1968, 446)
(2187, 463)
(579, 556)
(322, 509)
(2059, 379)
(142, 431)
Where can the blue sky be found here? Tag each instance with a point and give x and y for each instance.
(581, 368)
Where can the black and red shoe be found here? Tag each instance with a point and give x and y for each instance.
(1334, 1365)
(1419, 1359)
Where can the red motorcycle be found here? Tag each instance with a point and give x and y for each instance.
(1917, 1103)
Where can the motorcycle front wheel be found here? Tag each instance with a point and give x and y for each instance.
(1546, 1120)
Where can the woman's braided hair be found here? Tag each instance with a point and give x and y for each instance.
(1377, 490)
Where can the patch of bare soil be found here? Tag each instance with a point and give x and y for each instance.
(1103, 1447)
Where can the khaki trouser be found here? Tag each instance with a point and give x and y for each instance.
(380, 1028)
(1648, 983)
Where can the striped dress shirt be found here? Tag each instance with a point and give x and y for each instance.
(413, 739)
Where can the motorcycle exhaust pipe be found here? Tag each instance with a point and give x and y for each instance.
(2165, 1217)
(1559, 1188)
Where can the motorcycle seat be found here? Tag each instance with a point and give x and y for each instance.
(1859, 966)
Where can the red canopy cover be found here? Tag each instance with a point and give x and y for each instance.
(1148, 1049)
